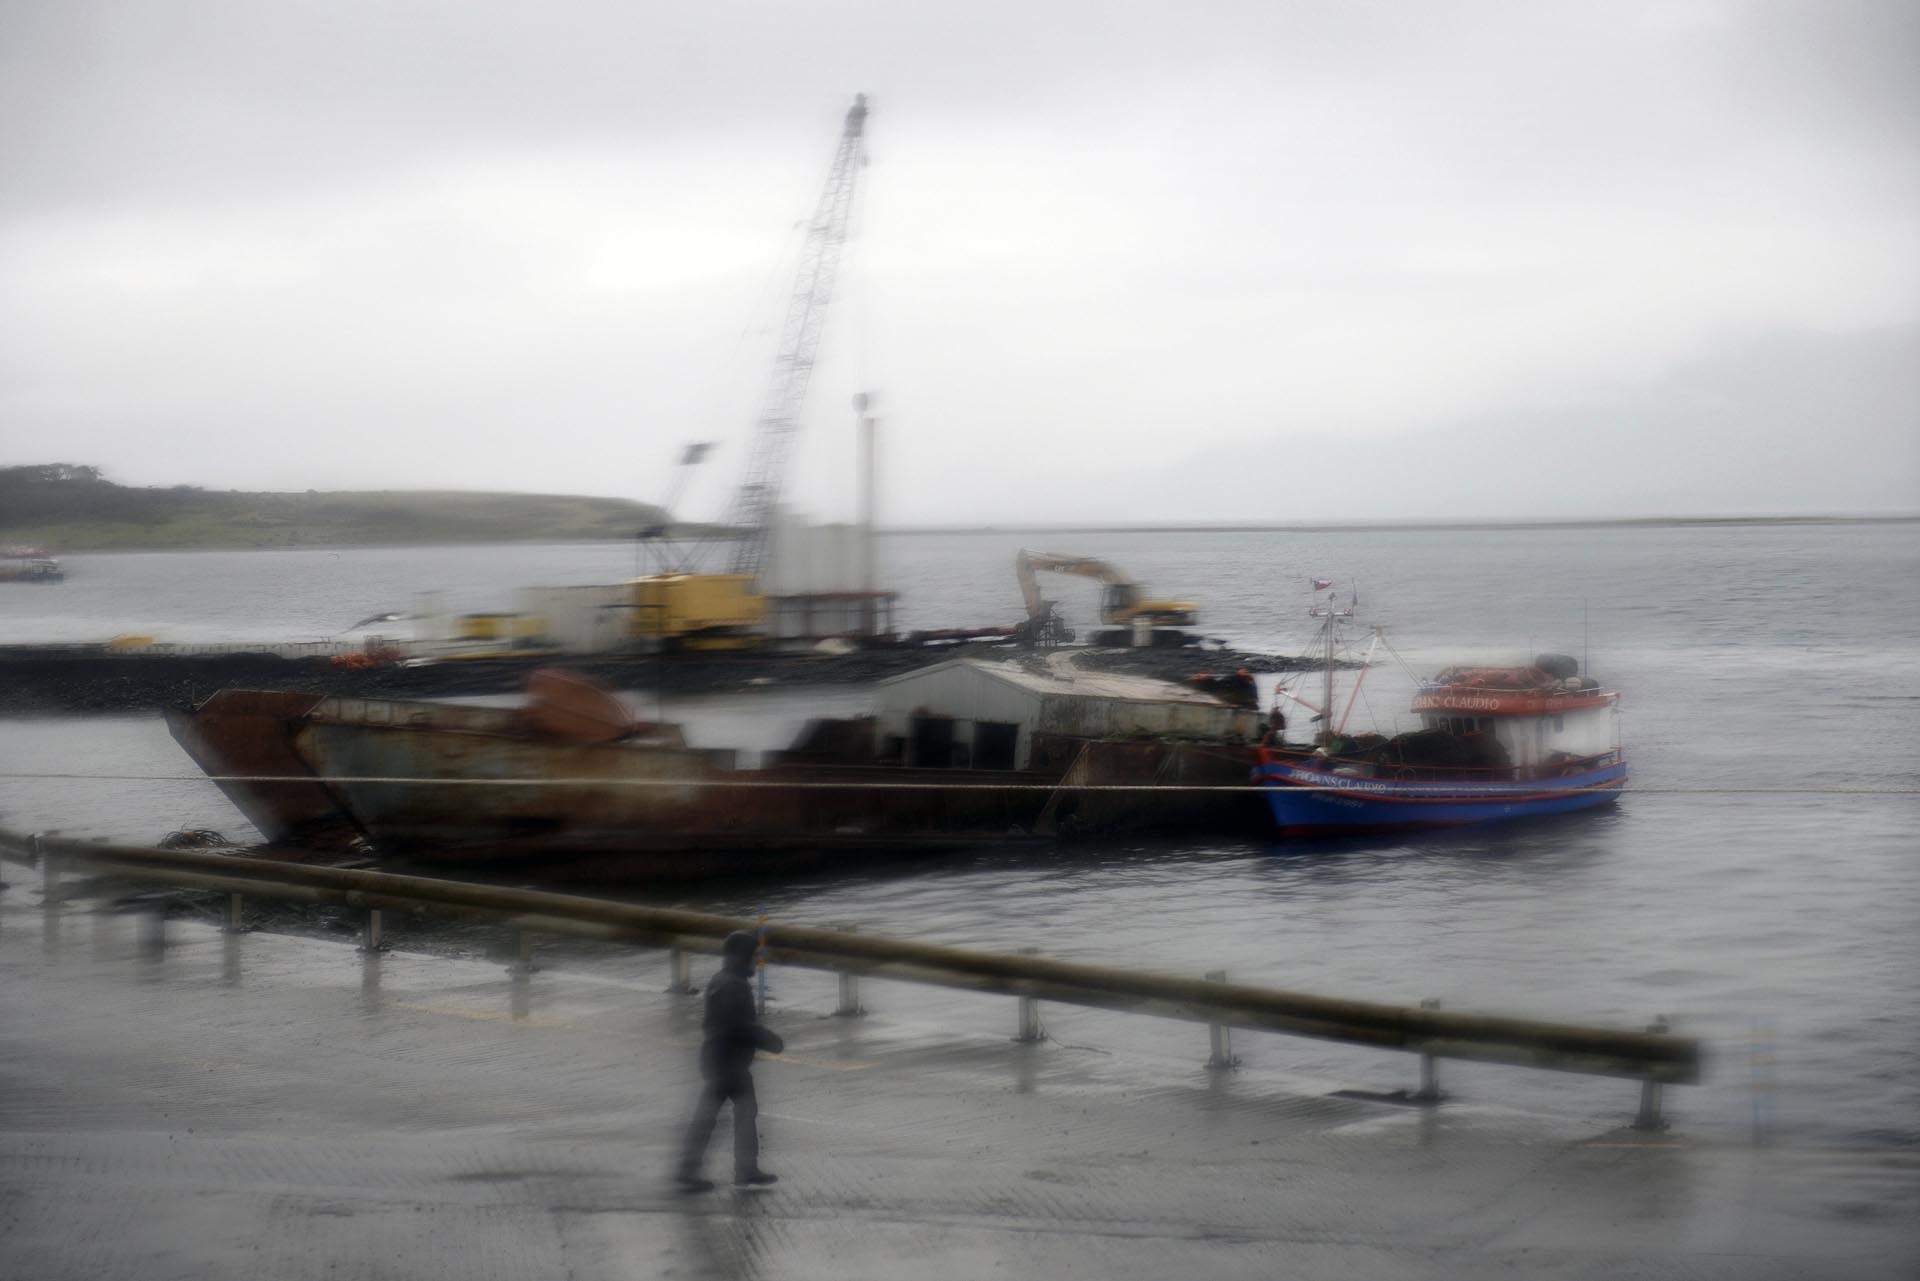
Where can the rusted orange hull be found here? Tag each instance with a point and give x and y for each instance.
(240, 737)
(440, 782)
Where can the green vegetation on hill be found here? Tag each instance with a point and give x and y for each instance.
(68, 507)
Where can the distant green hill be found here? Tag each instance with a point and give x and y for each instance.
(69, 507)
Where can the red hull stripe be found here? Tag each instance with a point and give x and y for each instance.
(1486, 702)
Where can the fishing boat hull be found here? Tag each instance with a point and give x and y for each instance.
(1307, 800)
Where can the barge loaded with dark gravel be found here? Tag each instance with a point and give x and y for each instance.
(58, 679)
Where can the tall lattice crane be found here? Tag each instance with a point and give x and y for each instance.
(753, 504)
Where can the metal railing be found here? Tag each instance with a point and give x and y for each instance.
(1654, 1057)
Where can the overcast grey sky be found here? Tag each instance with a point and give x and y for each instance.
(1257, 260)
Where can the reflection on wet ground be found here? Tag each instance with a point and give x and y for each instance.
(287, 1107)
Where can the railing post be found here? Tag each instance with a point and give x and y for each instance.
(235, 910)
(849, 1006)
(1220, 1056)
(1429, 1091)
(153, 929)
(370, 934)
(1649, 1117)
(1030, 1029)
(679, 972)
(520, 971)
(230, 959)
(49, 872)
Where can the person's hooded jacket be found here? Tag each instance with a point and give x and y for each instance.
(733, 1030)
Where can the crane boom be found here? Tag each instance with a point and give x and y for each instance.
(752, 509)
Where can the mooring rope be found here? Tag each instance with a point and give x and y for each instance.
(836, 785)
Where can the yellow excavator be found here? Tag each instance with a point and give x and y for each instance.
(1124, 605)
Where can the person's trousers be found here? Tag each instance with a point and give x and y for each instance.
(737, 1090)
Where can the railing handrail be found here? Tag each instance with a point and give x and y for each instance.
(1644, 1056)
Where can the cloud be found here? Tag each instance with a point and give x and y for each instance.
(492, 245)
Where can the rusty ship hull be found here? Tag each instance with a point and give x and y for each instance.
(445, 783)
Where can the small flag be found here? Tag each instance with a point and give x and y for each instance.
(1321, 584)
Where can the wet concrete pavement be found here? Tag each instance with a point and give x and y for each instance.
(260, 1106)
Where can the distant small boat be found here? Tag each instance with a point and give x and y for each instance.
(29, 565)
(1495, 743)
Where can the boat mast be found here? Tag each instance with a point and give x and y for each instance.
(1326, 715)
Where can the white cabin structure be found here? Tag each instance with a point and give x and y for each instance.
(969, 713)
(1538, 719)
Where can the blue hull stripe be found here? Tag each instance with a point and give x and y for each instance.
(1375, 804)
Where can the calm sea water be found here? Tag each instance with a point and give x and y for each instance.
(1761, 887)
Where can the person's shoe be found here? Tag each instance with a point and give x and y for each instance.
(691, 1183)
(754, 1179)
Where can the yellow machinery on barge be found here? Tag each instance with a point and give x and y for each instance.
(698, 611)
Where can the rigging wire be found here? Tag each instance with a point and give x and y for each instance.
(756, 323)
(1411, 674)
(714, 410)
(860, 273)
(1371, 714)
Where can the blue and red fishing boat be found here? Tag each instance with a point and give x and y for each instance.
(1494, 743)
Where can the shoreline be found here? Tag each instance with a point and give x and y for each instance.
(53, 541)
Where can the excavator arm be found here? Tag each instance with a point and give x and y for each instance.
(1027, 565)
(1120, 598)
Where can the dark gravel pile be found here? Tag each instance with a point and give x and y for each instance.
(36, 681)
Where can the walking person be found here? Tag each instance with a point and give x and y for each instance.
(733, 1034)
